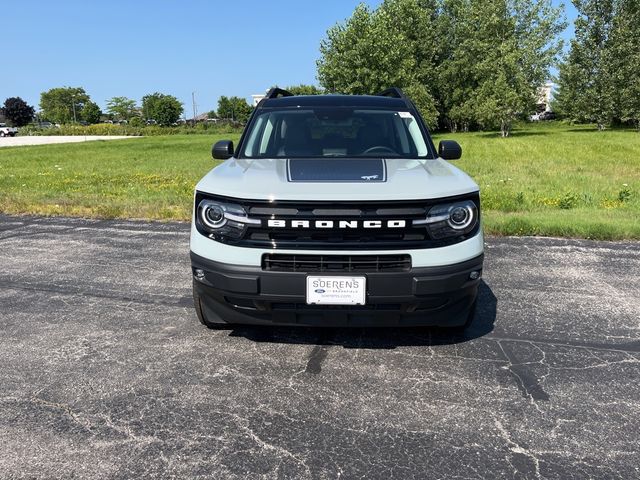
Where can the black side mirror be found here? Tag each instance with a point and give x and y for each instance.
(449, 150)
(222, 150)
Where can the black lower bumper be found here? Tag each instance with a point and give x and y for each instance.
(426, 296)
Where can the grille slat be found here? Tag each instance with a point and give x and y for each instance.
(280, 262)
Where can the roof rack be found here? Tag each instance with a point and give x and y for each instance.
(393, 92)
(276, 92)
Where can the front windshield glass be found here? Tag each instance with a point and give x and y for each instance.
(335, 132)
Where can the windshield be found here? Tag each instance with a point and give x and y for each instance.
(335, 132)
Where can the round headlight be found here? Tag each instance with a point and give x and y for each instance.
(212, 215)
(460, 217)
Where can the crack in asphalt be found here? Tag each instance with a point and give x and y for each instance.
(527, 382)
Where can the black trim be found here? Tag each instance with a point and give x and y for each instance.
(334, 170)
(421, 296)
(276, 92)
(288, 262)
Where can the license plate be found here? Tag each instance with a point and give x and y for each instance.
(336, 290)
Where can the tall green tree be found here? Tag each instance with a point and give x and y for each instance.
(63, 104)
(586, 79)
(393, 45)
(624, 56)
(17, 112)
(122, 108)
(91, 112)
(462, 61)
(164, 109)
(235, 109)
(499, 55)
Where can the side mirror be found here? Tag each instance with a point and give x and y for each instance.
(222, 150)
(449, 150)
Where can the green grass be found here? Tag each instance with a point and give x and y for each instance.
(150, 177)
(554, 179)
(547, 179)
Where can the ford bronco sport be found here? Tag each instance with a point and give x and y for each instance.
(336, 210)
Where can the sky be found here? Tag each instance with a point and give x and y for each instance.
(134, 47)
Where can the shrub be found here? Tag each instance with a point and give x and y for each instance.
(132, 129)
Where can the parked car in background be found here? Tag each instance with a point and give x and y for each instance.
(6, 131)
(546, 115)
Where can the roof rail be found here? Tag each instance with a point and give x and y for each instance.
(276, 92)
(394, 92)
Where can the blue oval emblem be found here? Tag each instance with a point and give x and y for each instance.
(319, 290)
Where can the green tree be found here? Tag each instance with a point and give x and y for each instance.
(463, 62)
(393, 45)
(63, 104)
(586, 79)
(624, 57)
(500, 55)
(17, 112)
(164, 109)
(303, 89)
(235, 109)
(122, 108)
(91, 112)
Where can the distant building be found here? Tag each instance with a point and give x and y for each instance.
(545, 96)
(256, 98)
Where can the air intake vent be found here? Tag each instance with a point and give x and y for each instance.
(278, 262)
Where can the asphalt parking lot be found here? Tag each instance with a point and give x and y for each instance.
(106, 372)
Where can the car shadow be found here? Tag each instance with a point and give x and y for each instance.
(377, 338)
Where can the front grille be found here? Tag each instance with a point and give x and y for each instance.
(288, 237)
(277, 262)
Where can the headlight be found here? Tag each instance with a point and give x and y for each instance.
(222, 220)
(450, 219)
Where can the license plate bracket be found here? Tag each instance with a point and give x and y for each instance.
(336, 290)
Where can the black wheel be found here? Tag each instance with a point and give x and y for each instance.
(1, 134)
(200, 313)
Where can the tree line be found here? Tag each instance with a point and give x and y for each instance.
(599, 80)
(480, 64)
(63, 105)
(466, 64)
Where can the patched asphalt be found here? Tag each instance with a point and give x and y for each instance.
(105, 371)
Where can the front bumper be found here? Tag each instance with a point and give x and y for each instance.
(423, 296)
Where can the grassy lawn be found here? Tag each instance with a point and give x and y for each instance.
(547, 179)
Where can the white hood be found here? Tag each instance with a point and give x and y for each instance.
(267, 179)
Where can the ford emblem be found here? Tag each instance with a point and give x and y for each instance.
(319, 290)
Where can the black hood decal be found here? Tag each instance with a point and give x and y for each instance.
(352, 170)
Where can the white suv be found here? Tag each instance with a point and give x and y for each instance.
(336, 210)
(7, 131)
